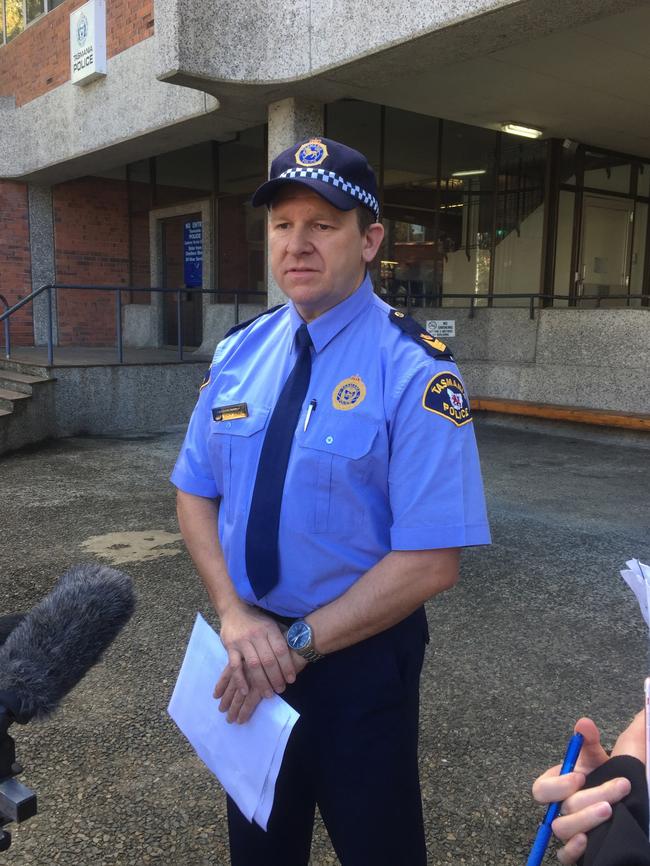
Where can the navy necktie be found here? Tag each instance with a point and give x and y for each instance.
(264, 517)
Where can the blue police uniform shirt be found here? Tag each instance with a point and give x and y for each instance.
(377, 469)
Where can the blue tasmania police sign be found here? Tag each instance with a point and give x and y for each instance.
(193, 253)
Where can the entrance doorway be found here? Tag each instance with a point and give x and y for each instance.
(607, 229)
(182, 267)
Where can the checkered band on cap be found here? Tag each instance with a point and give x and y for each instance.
(336, 180)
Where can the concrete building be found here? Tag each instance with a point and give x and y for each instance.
(140, 176)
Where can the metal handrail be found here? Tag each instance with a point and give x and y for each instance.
(533, 298)
(6, 327)
(48, 287)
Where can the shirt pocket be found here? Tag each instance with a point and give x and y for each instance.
(234, 448)
(336, 455)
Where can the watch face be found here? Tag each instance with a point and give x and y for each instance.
(299, 636)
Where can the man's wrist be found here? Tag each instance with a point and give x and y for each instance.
(232, 604)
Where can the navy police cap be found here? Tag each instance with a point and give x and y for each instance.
(338, 173)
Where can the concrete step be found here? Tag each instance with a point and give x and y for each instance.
(8, 397)
(14, 381)
(27, 369)
(4, 412)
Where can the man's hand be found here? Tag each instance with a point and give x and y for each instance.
(258, 655)
(582, 810)
(241, 707)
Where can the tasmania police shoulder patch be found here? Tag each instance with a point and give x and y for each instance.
(431, 345)
(445, 395)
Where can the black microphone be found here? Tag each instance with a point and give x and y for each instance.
(60, 639)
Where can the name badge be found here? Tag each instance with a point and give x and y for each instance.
(230, 413)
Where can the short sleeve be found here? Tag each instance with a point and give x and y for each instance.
(435, 485)
(193, 471)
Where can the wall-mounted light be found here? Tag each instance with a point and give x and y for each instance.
(518, 129)
(469, 172)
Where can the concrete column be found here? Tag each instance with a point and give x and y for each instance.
(289, 121)
(41, 243)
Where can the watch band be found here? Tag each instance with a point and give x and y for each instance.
(310, 654)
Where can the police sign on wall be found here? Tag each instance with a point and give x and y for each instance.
(88, 42)
(193, 253)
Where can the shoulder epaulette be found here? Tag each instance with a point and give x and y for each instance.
(431, 345)
(248, 322)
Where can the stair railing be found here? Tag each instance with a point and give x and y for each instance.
(5, 317)
(6, 327)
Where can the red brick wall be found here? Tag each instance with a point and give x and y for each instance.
(15, 261)
(38, 59)
(91, 229)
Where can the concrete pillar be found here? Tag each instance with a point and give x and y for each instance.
(289, 121)
(41, 243)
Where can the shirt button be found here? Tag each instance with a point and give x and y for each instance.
(228, 425)
(329, 440)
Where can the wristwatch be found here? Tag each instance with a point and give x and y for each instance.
(300, 638)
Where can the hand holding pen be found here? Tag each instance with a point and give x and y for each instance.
(582, 809)
(545, 831)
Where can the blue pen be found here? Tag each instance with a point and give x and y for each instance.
(544, 833)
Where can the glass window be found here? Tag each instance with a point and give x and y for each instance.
(357, 124)
(184, 175)
(409, 259)
(466, 208)
(242, 162)
(638, 250)
(568, 161)
(563, 276)
(643, 180)
(241, 227)
(34, 9)
(519, 218)
(15, 18)
(606, 172)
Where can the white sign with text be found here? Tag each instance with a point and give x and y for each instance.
(441, 327)
(88, 42)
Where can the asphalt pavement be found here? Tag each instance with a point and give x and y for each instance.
(540, 630)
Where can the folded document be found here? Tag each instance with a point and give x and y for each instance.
(245, 758)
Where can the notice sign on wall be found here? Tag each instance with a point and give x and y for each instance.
(88, 42)
(441, 327)
(193, 253)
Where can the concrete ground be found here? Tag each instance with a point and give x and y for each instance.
(540, 630)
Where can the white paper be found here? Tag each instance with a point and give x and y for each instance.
(637, 577)
(245, 758)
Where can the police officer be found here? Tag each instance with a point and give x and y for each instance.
(328, 478)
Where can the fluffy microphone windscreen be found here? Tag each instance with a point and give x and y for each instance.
(8, 624)
(61, 638)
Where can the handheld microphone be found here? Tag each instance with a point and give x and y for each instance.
(60, 639)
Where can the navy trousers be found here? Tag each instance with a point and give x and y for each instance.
(353, 752)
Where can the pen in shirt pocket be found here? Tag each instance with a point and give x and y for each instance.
(311, 408)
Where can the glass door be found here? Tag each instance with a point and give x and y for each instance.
(607, 229)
